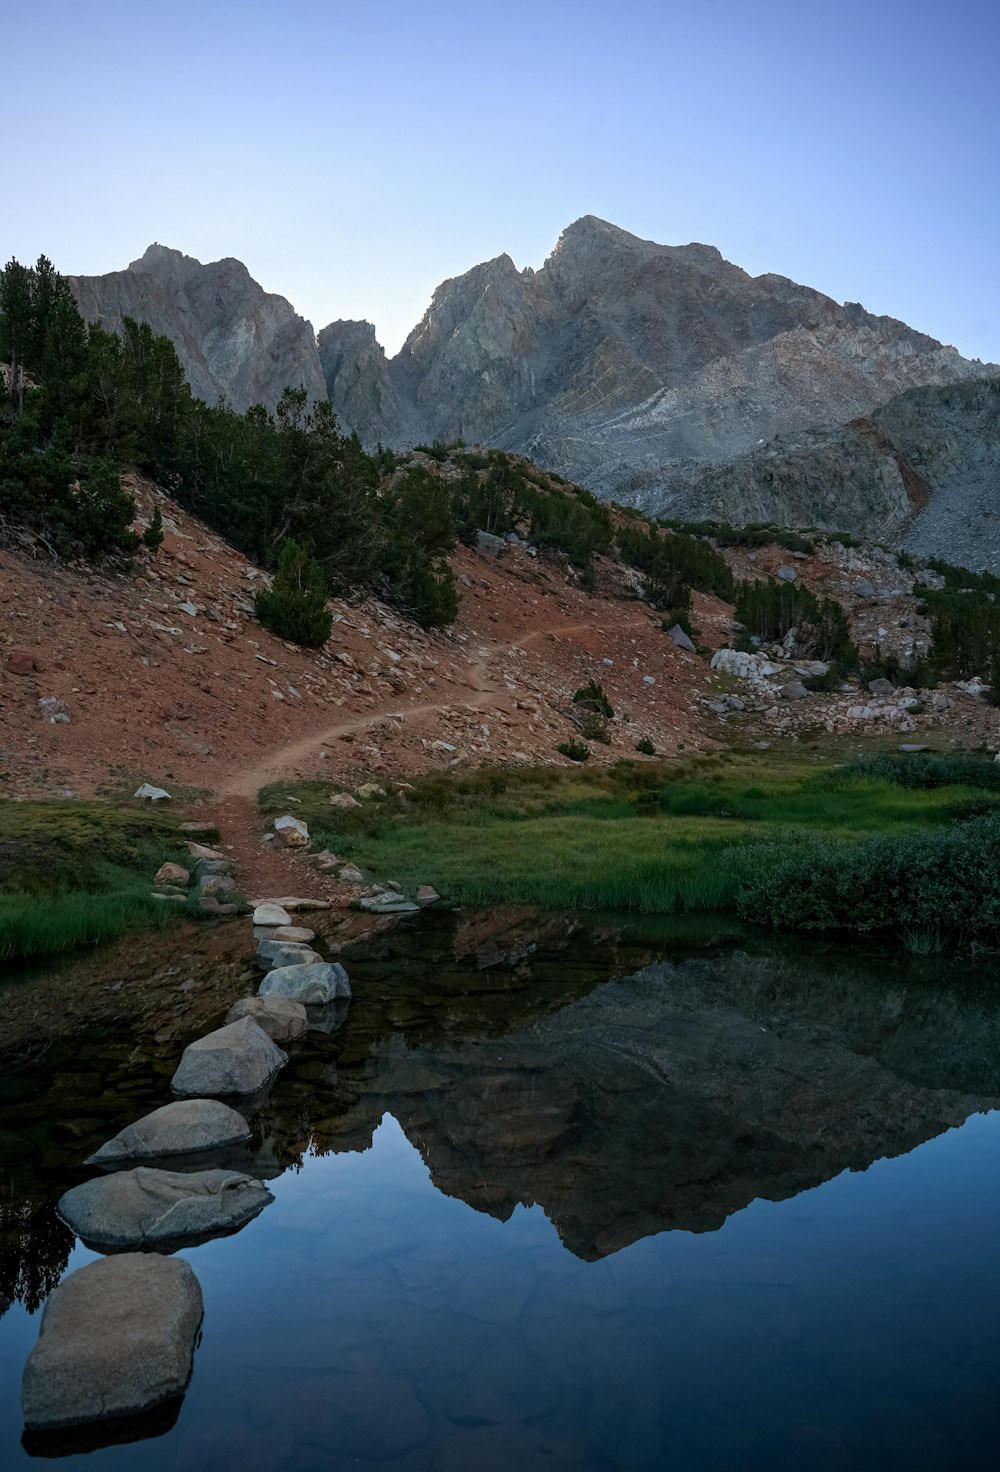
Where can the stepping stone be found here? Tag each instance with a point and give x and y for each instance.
(152, 1208)
(238, 1058)
(282, 1019)
(271, 914)
(117, 1337)
(314, 985)
(181, 1128)
(294, 933)
(271, 953)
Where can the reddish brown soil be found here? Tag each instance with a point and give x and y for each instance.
(211, 706)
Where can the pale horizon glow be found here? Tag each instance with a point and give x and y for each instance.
(355, 156)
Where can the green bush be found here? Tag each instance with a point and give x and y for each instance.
(923, 770)
(295, 607)
(592, 697)
(645, 747)
(577, 751)
(944, 881)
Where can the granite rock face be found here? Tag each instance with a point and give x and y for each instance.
(620, 359)
(234, 339)
(923, 470)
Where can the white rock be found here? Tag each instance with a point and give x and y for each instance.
(271, 914)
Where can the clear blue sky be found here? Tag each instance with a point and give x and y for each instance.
(356, 154)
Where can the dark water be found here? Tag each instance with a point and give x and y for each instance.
(612, 1203)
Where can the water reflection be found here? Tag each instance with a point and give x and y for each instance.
(370, 1318)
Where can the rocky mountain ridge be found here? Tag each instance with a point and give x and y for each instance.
(922, 471)
(235, 340)
(643, 371)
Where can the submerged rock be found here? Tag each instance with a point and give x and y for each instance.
(147, 1207)
(117, 1337)
(238, 1058)
(282, 1019)
(315, 985)
(181, 1128)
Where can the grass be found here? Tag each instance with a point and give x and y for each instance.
(73, 872)
(650, 837)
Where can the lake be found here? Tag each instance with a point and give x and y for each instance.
(564, 1196)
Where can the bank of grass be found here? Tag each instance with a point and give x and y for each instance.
(73, 873)
(717, 833)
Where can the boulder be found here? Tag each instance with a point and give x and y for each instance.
(149, 793)
(20, 662)
(344, 800)
(794, 690)
(311, 985)
(171, 874)
(290, 954)
(270, 947)
(271, 914)
(881, 687)
(291, 832)
(370, 789)
(427, 895)
(682, 640)
(787, 574)
(387, 903)
(117, 1337)
(913, 746)
(152, 1208)
(217, 865)
(282, 1019)
(488, 544)
(294, 933)
(217, 884)
(238, 1058)
(200, 850)
(351, 874)
(181, 1128)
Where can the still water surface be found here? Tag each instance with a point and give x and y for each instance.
(614, 1203)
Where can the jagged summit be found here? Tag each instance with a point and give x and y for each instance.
(620, 362)
(235, 340)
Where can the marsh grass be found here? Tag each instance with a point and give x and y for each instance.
(649, 837)
(73, 872)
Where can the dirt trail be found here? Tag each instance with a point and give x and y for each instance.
(248, 782)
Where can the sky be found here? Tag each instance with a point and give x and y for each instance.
(354, 155)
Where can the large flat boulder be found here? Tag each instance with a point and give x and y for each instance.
(311, 985)
(181, 1128)
(152, 1208)
(280, 1017)
(117, 1337)
(238, 1058)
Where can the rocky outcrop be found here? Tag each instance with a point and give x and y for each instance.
(358, 381)
(235, 340)
(621, 359)
(923, 470)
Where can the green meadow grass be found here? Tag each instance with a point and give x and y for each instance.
(657, 838)
(73, 872)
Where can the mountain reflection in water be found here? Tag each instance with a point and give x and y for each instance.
(624, 1094)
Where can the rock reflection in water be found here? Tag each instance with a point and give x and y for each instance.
(365, 1316)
